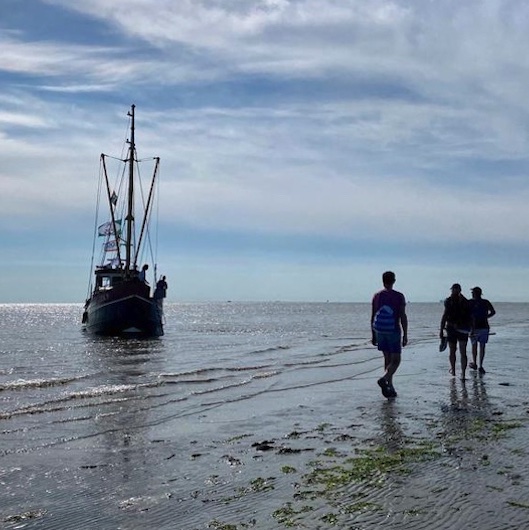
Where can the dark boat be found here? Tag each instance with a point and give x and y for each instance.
(120, 300)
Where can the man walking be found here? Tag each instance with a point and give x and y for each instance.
(456, 320)
(388, 318)
(480, 312)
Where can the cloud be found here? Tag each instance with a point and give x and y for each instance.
(450, 52)
(340, 171)
(393, 209)
(292, 38)
(402, 122)
(53, 61)
(311, 36)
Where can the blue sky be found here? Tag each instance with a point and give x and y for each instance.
(306, 145)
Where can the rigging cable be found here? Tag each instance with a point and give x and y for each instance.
(95, 230)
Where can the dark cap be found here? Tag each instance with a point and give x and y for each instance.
(476, 290)
(456, 286)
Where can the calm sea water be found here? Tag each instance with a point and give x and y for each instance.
(73, 406)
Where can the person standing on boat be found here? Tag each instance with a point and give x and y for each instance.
(480, 312)
(456, 321)
(161, 289)
(142, 275)
(388, 317)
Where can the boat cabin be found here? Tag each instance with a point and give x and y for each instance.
(107, 278)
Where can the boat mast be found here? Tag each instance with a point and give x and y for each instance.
(130, 208)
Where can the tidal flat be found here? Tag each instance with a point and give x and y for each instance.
(234, 421)
(460, 466)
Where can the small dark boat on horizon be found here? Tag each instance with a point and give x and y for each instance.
(120, 302)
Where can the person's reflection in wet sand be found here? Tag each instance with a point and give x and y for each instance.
(458, 399)
(392, 435)
(474, 401)
(464, 415)
(480, 400)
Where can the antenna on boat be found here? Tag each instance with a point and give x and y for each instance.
(130, 209)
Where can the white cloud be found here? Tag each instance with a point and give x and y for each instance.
(331, 118)
(392, 209)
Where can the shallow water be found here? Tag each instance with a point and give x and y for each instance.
(130, 434)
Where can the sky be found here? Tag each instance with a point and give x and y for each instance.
(306, 145)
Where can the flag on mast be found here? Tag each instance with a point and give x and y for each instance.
(106, 229)
(109, 246)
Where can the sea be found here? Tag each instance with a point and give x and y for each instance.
(81, 417)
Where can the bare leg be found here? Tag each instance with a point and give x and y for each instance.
(387, 360)
(474, 353)
(452, 357)
(464, 360)
(481, 354)
(392, 364)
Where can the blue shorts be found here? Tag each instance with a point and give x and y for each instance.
(389, 342)
(480, 336)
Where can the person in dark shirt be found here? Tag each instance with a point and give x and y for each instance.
(161, 289)
(480, 312)
(142, 275)
(456, 323)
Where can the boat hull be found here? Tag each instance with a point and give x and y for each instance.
(123, 314)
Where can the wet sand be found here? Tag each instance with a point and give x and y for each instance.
(444, 454)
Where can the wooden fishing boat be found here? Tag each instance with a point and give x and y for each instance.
(121, 301)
